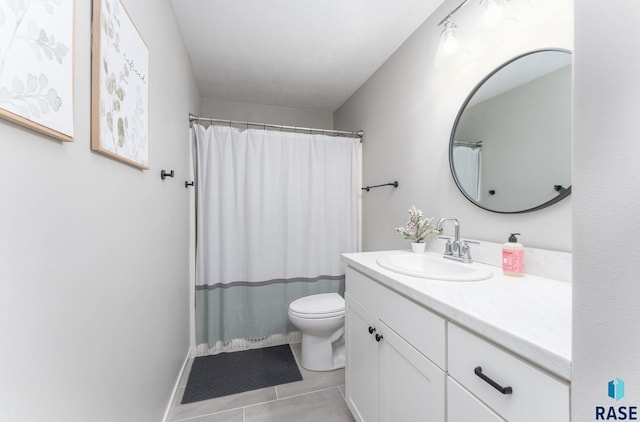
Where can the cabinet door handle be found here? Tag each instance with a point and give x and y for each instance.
(503, 390)
(371, 330)
(378, 337)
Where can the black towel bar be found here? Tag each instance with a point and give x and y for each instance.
(394, 184)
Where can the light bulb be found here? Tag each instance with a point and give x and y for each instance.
(449, 38)
(493, 13)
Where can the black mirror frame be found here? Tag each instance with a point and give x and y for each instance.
(563, 193)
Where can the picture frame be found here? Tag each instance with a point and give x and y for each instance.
(119, 86)
(37, 66)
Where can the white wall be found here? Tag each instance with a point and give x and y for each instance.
(93, 253)
(606, 201)
(408, 107)
(259, 113)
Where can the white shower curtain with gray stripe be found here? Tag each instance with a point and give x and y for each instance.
(467, 166)
(275, 212)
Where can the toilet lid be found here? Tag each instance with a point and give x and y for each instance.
(328, 304)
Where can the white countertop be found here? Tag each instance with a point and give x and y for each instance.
(529, 315)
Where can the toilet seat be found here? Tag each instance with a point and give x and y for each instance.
(324, 305)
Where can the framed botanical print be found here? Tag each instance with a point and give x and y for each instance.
(119, 86)
(36, 65)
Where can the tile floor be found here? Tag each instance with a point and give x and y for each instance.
(319, 397)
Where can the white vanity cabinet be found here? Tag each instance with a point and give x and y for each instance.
(405, 363)
(388, 376)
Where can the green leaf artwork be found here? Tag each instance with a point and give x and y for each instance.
(115, 87)
(122, 88)
(36, 82)
(121, 133)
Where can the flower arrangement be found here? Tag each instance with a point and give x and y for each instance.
(418, 228)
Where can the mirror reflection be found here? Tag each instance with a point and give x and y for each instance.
(510, 148)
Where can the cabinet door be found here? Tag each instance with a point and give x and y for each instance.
(412, 388)
(361, 369)
(462, 406)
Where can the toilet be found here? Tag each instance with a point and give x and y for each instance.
(320, 318)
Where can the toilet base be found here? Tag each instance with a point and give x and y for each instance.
(322, 354)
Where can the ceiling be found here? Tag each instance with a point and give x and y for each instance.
(310, 54)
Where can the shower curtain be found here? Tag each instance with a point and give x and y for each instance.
(467, 167)
(275, 211)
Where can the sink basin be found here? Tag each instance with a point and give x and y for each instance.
(435, 268)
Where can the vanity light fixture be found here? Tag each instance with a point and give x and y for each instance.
(449, 40)
(493, 12)
(449, 37)
(493, 15)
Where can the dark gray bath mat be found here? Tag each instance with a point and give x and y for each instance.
(230, 373)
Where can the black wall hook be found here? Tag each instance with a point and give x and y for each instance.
(164, 174)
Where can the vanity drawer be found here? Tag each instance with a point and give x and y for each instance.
(536, 396)
(462, 406)
(421, 328)
(367, 292)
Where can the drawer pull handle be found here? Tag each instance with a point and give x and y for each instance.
(503, 390)
(371, 330)
(378, 338)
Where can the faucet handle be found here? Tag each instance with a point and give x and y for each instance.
(465, 250)
(448, 248)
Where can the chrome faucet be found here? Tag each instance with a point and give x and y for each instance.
(459, 251)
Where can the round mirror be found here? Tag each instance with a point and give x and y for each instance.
(510, 148)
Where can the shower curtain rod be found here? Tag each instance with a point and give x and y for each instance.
(358, 134)
(468, 144)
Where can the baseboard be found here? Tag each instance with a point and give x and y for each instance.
(167, 412)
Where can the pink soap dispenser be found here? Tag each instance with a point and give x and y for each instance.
(513, 257)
